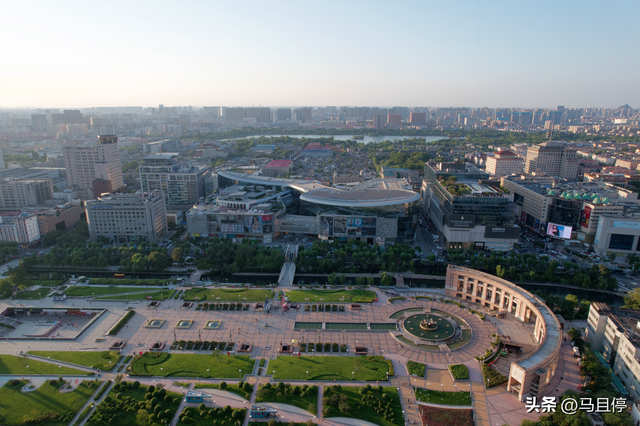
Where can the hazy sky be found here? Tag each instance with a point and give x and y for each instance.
(423, 53)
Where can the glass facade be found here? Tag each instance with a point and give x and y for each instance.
(621, 242)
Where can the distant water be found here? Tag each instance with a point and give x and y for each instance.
(366, 140)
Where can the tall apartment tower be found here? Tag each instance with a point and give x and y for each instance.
(418, 118)
(94, 170)
(283, 114)
(379, 121)
(303, 113)
(394, 118)
(553, 158)
(2, 166)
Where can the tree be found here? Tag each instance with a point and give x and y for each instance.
(19, 276)
(632, 299)
(500, 271)
(5, 289)
(611, 257)
(177, 255)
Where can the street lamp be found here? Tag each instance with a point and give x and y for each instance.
(307, 375)
(207, 372)
(352, 375)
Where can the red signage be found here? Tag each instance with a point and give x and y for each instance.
(586, 217)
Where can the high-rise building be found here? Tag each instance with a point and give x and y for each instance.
(2, 166)
(418, 118)
(86, 165)
(127, 218)
(553, 158)
(504, 163)
(394, 118)
(20, 228)
(23, 193)
(283, 114)
(379, 121)
(39, 122)
(261, 114)
(184, 184)
(303, 113)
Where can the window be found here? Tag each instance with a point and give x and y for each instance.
(621, 242)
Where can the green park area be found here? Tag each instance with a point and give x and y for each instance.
(375, 404)
(443, 398)
(203, 415)
(416, 368)
(32, 294)
(302, 396)
(153, 295)
(11, 364)
(331, 367)
(128, 403)
(332, 296)
(85, 290)
(104, 360)
(191, 365)
(227, 295)
(43, 406)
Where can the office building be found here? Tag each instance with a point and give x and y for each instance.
(60, 218)
(86, 165)
(553, 158)
(469, 214)
(418, 118)
(277, 168)
(614, 335)
(504, 163)
(394, 119)
(125, 218)
(17, 193)
(315, 149)
(19, 227)
(183, 183)
(210, 150)
(616, 234)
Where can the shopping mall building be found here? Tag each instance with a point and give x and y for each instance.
(378, 211)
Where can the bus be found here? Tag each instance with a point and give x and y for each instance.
(118, 276)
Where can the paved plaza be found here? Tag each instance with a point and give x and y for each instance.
(267, 331)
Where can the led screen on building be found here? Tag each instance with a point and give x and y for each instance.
(560, 231)
(234, 224)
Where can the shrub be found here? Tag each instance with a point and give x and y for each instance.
(223, 385)
(123, 321)
(459, 371)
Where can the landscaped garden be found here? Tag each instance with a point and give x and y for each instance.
(459, 371)
(332, 296)
(191, 365)
(128, 403)
(305, 397)
(43, 406)
(443, 398)
(492, 377)
(104, 360)
(436, 416)
(85, 290)
(10, 364)
(378, 405)
(416, 368)
(227, 295)
(331, 367)
(31, 294)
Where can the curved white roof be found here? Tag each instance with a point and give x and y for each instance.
(372, 193)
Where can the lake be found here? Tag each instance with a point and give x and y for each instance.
(366, 140)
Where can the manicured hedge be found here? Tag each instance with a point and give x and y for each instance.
(123, 321)
(104, 388)
(416, 368)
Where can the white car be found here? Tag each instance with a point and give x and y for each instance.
(576, 352)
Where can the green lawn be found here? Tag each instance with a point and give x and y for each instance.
(305, 397)
(332, 296)
(330, 367)
(33, 294)
(404, 311)
(379, 405)
(46, 283)
(492, 377)
(444, 398)
(123, 404)
(11, 364)
(44, 406)
(85, 290)
(191, 365)
(228, 295)
(85, 358)
(153, 295)
(416, 368)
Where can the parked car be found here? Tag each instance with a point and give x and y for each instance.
(576, 352)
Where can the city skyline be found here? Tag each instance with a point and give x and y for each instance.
(74, 55)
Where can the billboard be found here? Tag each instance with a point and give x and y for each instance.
(585, 217)
(339, 226)
(560, 231)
